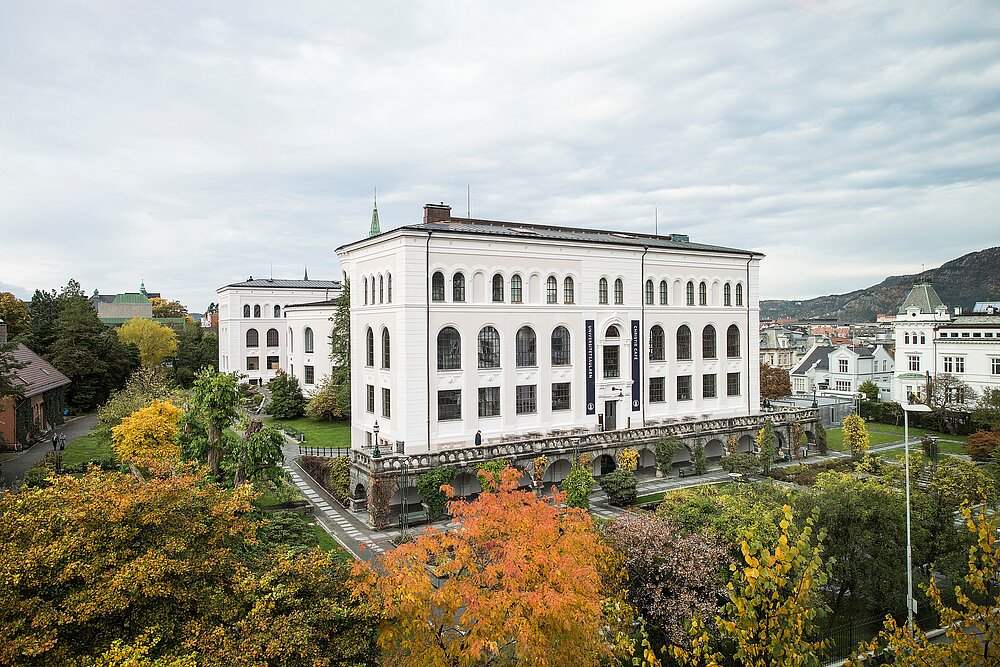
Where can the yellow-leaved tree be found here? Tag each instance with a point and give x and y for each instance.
(148, 433)
(972, 625)
(773, 603)
(156, 342)
(856, 436)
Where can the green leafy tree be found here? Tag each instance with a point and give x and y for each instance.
(774, 382)
(257, 455)
(164, 308)
(774, 600)
(987, 412)
(10, 384)
(197, 348)
(339, 399)
(856, 437)
(489, 473)
(745, 463)
(577, 486)
(287, 401)
(945, 394)
(620, 486)
(15, 314)
(767, 446)
(429, 486)
(213, 408)
(870, 390)
(664, 451)
(44, 309)
(327, 403)
(699, 460)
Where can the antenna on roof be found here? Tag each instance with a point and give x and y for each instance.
(272, 270)
(468, 201)
(656, 220)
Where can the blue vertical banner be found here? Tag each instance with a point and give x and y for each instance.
(591, 381)
(636, 377)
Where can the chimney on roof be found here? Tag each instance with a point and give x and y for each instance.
(437, 212)
(958, 310)
(3, 332)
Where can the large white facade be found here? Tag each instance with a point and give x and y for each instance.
(929, 341)
(443, 314)
(254, 325)
(307, 330)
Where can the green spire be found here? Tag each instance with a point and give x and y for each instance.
(306, 276)
(142, 287)
(375, 230)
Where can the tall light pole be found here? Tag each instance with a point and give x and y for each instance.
(907, 409)
(375, 452)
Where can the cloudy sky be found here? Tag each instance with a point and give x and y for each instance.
(191, 144)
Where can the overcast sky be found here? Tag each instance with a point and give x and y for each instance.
(192, 144)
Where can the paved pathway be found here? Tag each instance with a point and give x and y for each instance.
(13, 466)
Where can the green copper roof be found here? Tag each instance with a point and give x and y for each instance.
(130, 297)
(923, 297)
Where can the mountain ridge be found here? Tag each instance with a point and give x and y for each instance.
(960, 282)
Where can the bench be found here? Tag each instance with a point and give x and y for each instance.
(685, 471)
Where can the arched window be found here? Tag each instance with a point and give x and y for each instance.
(612, 332)
(739, 294)
(602, 291)
(307, 339)
(372, 280)
(437, 286)
(690, 293)
(366, 290)
(458, 287)
(702, 294)
(489, 348)
(277, 311)
(253, 338)
(733, 341)
(369, 347)
(525, 347)
(498, 287)
(727, 295)
(683, 342)
(291, 340)
(657, 343)
(649, 292)
(272, 338)
(568, 289)
(381, 289)
(386, 357)
(256, 311)
(906, 337)
(246, 310)
(551, 290)
(449, 349)
(560, 346)
(708, 342)
(663, 292)
(516, 291)
(923, 339)
(619, 291)
(388, 288)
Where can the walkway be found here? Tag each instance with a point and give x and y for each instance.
(13, 465)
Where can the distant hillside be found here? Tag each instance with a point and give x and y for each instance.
(960, 282)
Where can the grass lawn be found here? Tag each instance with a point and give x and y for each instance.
(649, 498)
(88, 447)
(914, 432)
(884, 434)
(319, 433)
(835, 439)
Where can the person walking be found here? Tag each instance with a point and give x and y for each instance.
(62, 442)
(55, 440)
(479, 438)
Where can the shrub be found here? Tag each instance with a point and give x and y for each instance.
(699, 460)
(767, 445)
(538, 466)
(620, 487)
(871, 464)
(578, 485)
(981, 445)
(489, 473)
(664, 451)
(328, 404)
(287, 401)
(746, 463)
(856, 436)
(429, 486)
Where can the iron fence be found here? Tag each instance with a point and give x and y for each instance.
(326, 452)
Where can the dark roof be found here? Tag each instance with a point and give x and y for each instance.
(862, 350)
(328, 302)
(38, 375)
(820, 353)
(521, 230)
(924, 297)
(271, 283)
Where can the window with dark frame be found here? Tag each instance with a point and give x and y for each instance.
(253, 363)
(568, 290)
(273, 364)
(526, 399)
(437, 287)
(684, 342)
(551, 290)
(253, 338)
(370, 398)
(733, 341)
(449, 404)
(449, 350)
(657, 390)
(602, 291)
(657, 343)
(489, 348)
(612, 361)
(663, 292)
(702, 294)
(683, 387)
(489, 401)
(619, 291)
(732, 384)
(386, 403)
(560, 396)
(386, 356)
(690, 293)
(708, 389)
(458, 288)
(649, 293)
(272, 337)
(525, 348)
(310, 374)
(498, 288)
(708, 342)
(560, 346)
(369, 347)
(516, 289)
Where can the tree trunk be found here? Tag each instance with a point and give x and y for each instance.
(214, 448)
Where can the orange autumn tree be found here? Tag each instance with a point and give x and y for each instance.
(148, 433)
(516, 580)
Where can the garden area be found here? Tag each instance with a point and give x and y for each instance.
(318, 433)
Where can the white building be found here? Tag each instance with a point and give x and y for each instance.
(838, 370)
(517, 330)
(257, 323)
(929, 341)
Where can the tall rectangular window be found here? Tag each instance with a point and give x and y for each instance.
(732, 384)
(370, 398)
(560, 396)
(913, 362)
(526, 399)
(959, 364)
(995, 365)
(708, 389)
(657, 390)
(949, 366)
(272, 363)
(253, 363)
(612, 356)
(386, 403)
(842, 365)
(310, 375)
(489, 401)
(683, 387)
(449, 404)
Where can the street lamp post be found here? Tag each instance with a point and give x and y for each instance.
(814, 396)
(907, 409)
(375, 452)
